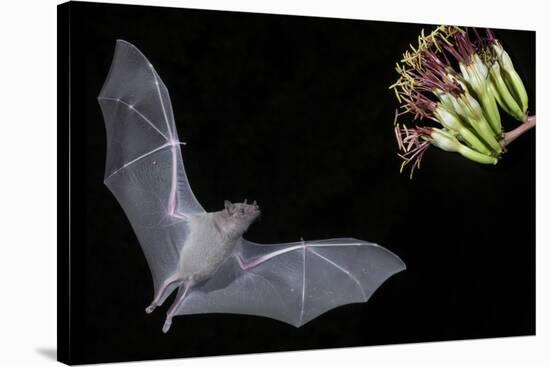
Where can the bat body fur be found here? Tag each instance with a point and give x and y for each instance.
(212, 238)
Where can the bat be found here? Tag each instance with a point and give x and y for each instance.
(203, 255)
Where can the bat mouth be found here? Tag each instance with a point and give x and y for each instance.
(256, 213)
(254, 208)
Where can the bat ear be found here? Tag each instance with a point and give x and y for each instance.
(229, 206)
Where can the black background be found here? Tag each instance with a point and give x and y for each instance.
(295, 112)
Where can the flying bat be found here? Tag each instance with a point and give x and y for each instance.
(203, 255)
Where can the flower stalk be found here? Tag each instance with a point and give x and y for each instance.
(512, 135)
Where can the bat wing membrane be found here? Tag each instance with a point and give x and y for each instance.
(294, 282)
(144, 168)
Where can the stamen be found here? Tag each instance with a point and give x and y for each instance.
(413, 142)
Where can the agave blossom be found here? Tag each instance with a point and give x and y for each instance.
(457, 79)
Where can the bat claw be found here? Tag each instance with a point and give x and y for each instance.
(151, 307)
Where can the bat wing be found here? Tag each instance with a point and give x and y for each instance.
(144, 168)
(294, 282)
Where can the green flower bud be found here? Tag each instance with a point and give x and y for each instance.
(511, 77)
(490, 111)
(447, 142)
(491, 87)
(468, 107)
(445, 99)
(452, 122)
(504, 96)
(476, 75)
(470, 110)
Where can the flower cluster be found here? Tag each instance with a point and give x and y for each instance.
(457, 78)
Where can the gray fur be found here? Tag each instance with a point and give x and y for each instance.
(213, 236)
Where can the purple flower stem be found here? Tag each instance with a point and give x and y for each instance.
(512, 135)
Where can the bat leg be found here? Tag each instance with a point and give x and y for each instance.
(162, 292)
(174, 308)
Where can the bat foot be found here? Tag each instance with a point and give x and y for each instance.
(167, 325)
(151, 307)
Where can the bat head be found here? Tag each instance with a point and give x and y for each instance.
(241, 215)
